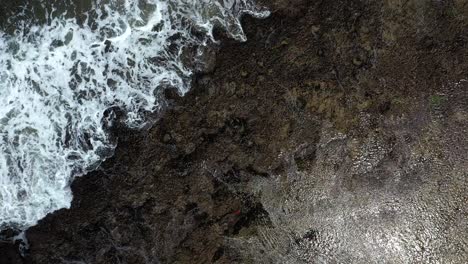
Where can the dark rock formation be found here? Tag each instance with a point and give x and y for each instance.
(336, 134)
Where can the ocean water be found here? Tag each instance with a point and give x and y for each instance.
(63, 67)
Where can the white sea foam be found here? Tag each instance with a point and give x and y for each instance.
(58, 78)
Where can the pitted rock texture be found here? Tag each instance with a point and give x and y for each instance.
(335, 134)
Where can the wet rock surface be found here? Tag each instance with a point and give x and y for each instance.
(335, 134)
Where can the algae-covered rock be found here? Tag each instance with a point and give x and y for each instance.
(335, 134)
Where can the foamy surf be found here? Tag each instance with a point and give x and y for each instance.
(59, 78)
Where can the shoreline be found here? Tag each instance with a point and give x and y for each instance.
(332, 129)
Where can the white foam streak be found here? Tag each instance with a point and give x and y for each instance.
(57, 80)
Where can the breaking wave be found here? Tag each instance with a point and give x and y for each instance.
(60, 74)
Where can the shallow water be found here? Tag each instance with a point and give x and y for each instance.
(358, 204)
(64, 64)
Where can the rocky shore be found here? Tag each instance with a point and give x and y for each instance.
(335, 134)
